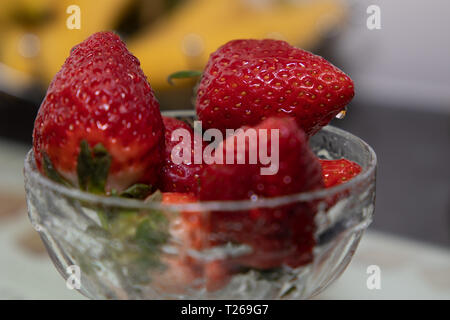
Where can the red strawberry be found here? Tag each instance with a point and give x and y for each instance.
(246, 81)
(336, 172)
(178, 198)
(188, 229)
(278, 235)
(102, 97)
(181, 177)
(339, 171)
(299, 170)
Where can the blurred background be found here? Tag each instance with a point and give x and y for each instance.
(402, 104)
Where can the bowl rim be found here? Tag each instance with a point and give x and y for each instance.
(31, 173)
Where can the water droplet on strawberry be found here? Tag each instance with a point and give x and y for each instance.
(341, 115)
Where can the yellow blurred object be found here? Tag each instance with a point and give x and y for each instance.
(25, 12)
(19, 50)
(185, 39)
(36, 41)
(19, 47)
(39, 48)
(57, 39)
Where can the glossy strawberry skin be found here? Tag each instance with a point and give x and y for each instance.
(280, 235)
(247, 81)
(178, 198)
(183, 177)
(336, 172)
(299, 170)
(102, 96)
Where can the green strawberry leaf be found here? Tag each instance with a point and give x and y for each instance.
(51, 172)
(101, 164)
(113, 193)
(84, 165)
(154, 197)
(93, 167)
(137, 191)
(152, 232)
(185, 74)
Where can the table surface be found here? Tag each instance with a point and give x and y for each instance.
(409, 269)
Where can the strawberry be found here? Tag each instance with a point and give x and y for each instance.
(178, 198)
(336, 172)
(247, 81)
(100, 120)
(298, 168)
(284, 234)
(339, 171)
(181, 177)
(188, 229)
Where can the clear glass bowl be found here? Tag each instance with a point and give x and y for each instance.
(131, 249)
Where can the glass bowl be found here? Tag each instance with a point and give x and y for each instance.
(131, 249)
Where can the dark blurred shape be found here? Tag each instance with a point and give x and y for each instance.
(142, 13)
(17, 119)
(413, 180)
